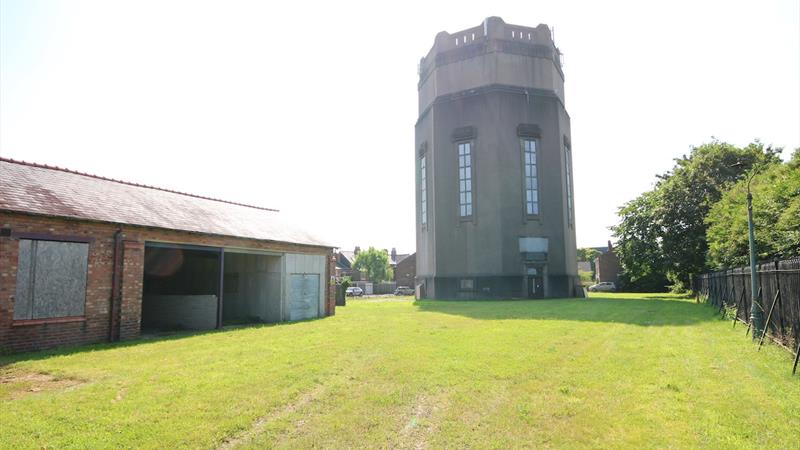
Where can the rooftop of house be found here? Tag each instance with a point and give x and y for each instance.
(348, 255)
(53, 191)
(399, 258)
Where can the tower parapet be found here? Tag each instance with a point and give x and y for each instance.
(493, 53)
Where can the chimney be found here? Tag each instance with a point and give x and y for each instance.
(610, 247)
(394, 254)
(357, 250)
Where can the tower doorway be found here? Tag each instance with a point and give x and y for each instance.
(534, 282)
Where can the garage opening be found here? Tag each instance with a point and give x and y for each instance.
(251, 289)
(180, 288)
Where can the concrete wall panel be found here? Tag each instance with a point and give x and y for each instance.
(256, 291)
(300, 264)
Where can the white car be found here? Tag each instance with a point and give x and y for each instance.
(603, 286)
(354, 291)
(404, 290)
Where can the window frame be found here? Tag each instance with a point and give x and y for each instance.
(569, 185)
(423, 189)
(524, 184)
(471, 204)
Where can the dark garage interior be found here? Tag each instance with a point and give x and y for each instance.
(181, 287)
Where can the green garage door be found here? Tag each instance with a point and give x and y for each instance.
(304, 296)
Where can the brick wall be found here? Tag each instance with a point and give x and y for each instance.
(95, 325)
(406, 271)
(607, 267)
(330, 299)
(132, 276)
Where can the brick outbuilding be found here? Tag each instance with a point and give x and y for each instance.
(87, 259)
(607, 265)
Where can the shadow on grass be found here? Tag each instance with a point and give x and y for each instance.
(148, 337)
(650, 311)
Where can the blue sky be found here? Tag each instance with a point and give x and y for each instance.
(310, 108)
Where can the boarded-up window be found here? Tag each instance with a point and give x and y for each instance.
(51, 279)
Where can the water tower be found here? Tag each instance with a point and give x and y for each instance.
(495, 213)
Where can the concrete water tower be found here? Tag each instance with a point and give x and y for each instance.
(495, 211)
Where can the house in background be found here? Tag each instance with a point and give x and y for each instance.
(87, 259)
(344, 264)
(345, 260)
(607, 265)
(405, 270)
(395, 258)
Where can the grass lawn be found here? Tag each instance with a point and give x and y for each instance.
(615, 370)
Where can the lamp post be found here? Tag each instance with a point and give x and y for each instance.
(756, 311)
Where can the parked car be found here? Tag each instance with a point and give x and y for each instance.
(404, 290)
(603, 286)
(354, 291)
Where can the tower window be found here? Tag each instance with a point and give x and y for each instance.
(568, 165)
(465, 179)
(531, 177)
(423, 190)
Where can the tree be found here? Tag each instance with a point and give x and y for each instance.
(375, 263)
(589, 254)
(687, 194)
(662, 233)
(776, 217)
(638, 245)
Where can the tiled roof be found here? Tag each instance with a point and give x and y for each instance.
(52, 191)
(348, 255)
(400, 257)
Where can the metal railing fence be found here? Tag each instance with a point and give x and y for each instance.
(779, 290)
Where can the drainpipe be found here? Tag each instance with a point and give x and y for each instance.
(221, 289)
(116, 288)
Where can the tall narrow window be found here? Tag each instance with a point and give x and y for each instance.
(465, 179)
(423, 191)
(531, 178)
(568, 164)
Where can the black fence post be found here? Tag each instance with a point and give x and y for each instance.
(750, 323)
(769, 316)
(780, 299)
(777, 279)
(739, 302)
